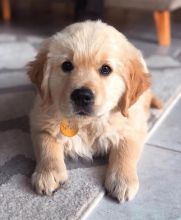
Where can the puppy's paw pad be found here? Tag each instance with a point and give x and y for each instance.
(122, 188)
(47, 182)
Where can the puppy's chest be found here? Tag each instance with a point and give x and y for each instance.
(95, 138)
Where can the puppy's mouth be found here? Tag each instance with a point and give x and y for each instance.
(83, 112)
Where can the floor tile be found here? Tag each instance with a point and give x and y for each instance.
(7, 38)
(13, 78)
(166, 83)
(158, 61)
(159, 196)
(168, 134)
(15, 55)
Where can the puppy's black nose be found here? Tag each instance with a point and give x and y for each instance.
(82, 97)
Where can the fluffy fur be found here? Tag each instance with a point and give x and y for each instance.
(118, 124)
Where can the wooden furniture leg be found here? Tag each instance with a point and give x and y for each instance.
(162, 22)
(6, 10)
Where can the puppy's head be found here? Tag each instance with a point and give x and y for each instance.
(89, 69)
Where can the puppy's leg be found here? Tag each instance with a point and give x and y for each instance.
(121, 179)
(50, 170)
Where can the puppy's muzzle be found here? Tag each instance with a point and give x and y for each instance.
(83, 100)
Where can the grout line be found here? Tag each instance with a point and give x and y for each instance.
(163, 115)
(163, 148)
(177, 53)
(93, 205)
(10, 71)
(164, 68)
(169, 107)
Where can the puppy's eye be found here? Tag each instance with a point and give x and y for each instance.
(105, 70)
(67, 66)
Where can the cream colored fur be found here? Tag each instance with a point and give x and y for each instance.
(122, 101)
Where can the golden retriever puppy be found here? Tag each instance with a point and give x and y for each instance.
(93, 98)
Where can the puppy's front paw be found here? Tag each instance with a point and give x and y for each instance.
(121, 187)
(47, 181)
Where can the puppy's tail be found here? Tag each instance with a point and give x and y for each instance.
(156, 102)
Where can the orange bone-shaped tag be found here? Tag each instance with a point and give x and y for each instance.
(68, 128)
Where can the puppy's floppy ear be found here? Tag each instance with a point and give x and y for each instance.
(137, 81)
(38, 71)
